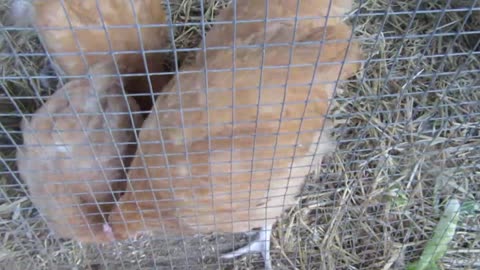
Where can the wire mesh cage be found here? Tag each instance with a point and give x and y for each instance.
(160, 134)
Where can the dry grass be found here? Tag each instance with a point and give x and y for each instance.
(409, 140)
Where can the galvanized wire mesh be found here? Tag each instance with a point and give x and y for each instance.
(408, 142)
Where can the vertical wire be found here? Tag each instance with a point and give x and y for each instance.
(88, 76)
(18, 181)
(137, 139)
(260, 86)
(205, 81)
(234, 93)
(24, 70)
(314, 75)
(275, 146)
(179, 92)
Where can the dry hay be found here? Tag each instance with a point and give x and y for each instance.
(408, 140)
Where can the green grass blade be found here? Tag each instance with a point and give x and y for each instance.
(442, 235)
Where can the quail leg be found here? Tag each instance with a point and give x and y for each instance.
(108, 232)
(261, 244)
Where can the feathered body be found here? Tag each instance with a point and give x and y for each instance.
(74, 153)
(232, 160)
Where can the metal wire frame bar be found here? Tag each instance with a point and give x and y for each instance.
(398, 58)
(278, 19)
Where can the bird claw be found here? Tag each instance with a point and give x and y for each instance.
(261, 244)
(108, 232)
